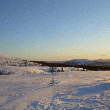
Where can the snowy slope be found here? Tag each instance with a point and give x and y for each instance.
(31, 70)
(21, 70)
(18, 62)
(72, 90)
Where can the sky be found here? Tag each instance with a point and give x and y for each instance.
(55, 30)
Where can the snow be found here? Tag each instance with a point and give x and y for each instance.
(6, 61)
(36, 88)
(29, 88)
(22, 70)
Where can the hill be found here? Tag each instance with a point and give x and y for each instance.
(88, 62)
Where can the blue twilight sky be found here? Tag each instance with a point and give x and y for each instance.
(55, 29)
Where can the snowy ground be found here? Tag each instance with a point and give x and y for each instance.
(29, 88)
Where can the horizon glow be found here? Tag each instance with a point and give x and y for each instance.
(55, 30)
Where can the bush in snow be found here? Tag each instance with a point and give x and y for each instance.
(58, 70)
(1, 72)
(5, 72)
(28, 72)
(52, 70)
(52, 82)
(62, 69)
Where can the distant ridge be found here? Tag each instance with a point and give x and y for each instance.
(79, 62)
(103, 60)
(55, 61)
(100, 62)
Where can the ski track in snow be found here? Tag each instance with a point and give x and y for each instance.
(73, 90)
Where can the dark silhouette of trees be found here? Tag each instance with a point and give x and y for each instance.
(84, 67)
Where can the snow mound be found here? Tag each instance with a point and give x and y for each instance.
(20, 70)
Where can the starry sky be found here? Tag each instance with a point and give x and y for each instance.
(55, 30)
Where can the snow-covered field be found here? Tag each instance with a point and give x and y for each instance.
(29, 88)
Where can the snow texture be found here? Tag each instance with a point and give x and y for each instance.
(31, 88)
(37, 88)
